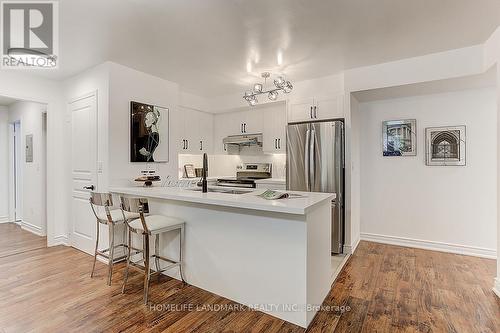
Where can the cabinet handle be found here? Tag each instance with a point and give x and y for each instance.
(315, 112)
(242, 129)
(245, 128)
(183, 144)
(187, 144)
(275, 143)
(201, 145)
(279, 143)
(311, 112)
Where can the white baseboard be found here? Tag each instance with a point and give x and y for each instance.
(349, 249)
(4, 219)
(32, 228)
(431, 245)
(60, 240)
(496, 287)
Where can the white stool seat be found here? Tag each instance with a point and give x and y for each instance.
(117, 216)
(156, 223)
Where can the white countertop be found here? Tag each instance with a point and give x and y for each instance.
(295, 205)
(274, 181)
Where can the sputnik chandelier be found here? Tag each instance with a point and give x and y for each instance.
(280, 84)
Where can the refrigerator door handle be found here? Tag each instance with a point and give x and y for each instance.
(312, 166)
(306, 160)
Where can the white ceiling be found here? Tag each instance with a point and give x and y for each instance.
(6, 101)
(484, 80)
(207, 45)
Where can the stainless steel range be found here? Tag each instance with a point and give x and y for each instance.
(246, 176)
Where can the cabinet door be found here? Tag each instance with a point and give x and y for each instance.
(206, 127)
(225, 124)
(252, 121)
(274, 133)
(300, 110)
(329, 107)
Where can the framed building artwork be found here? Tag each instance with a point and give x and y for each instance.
(148, 133)
(399, 137)
(445, 146)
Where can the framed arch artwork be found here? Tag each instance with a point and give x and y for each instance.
(445, 146)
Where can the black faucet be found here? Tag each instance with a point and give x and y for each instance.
(204, 187)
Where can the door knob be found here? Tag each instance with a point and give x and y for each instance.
(91, 187)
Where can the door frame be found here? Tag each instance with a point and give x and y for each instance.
(51, 169)
(15, 171)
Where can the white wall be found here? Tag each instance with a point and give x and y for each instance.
(33, 175)
(4, 164)
(404, 198)
(128, 85)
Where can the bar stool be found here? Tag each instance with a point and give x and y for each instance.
(111, 218)
(148, 226)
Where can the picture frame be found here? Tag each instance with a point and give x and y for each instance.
(399, 137)
(149, 133)
(446, 146)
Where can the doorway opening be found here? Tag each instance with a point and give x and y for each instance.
(23, 208)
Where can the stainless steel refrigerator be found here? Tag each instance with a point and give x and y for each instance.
(315, 163)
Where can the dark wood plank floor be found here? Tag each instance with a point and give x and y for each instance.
(382, 289)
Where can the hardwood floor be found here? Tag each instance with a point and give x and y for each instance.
(386, 289)
(15, 240)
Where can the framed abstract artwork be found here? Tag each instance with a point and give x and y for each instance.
(149, 126)
(445, 146)
(399, 138)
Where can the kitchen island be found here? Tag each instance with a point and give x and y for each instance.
(273, 255)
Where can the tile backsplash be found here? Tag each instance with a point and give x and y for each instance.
(225, 165)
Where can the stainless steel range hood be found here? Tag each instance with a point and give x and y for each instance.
(247, 144)
(244, 140)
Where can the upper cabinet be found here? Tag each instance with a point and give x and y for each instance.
(195, 131)
(236, 123)
(274, 133)
(320, 108)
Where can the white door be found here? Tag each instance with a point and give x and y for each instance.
(83, 171)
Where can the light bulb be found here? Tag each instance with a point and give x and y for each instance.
(287, 87)
(273, 95)
(253, 101)
(257, 88)
(279, 82)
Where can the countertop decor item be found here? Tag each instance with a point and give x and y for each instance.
(445, 146)
(190, 171)
(148, 177)
(399, 137)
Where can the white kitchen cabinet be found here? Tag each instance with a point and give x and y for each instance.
(195, 131)
(318, 108)
(274, 129)
(225, 124)
(252, 121)
(300, 110)
(236, 123)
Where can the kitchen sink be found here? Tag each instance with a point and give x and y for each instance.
(221, 190)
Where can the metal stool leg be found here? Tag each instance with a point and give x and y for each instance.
(181, 255)
(146, 267)
(95, 251)
(111, 251)
(125, 278)
(157, 255)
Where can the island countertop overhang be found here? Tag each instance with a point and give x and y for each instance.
(295, 205)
